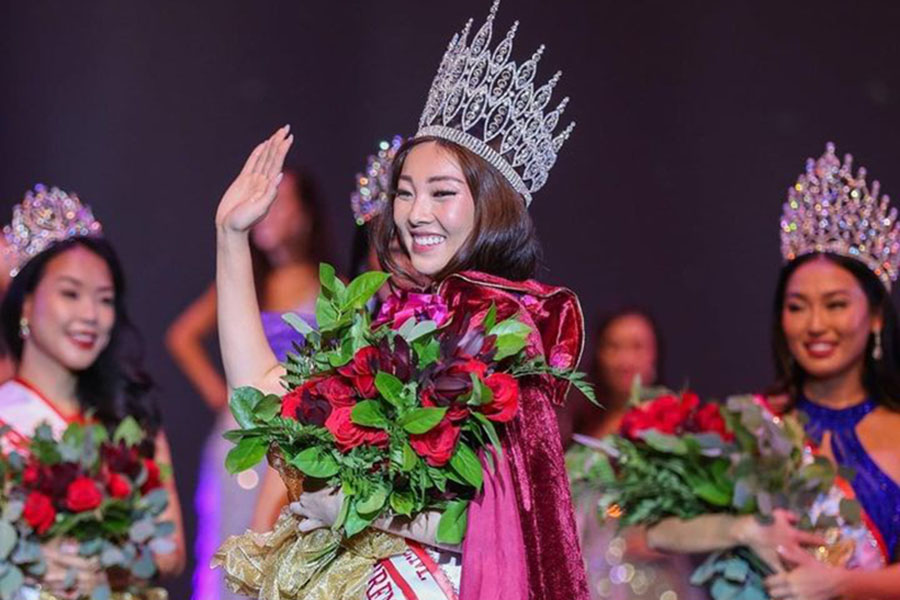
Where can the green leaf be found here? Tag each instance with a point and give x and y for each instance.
(452, 525)
(422, 420)
(327, 314)
(664, 442)
(850, 511)
(490, 319)
(466, 464)
(13, 510)
(402, 503)
(368, 413)
(491, 431)
(510, 326)
(342, 513)
(247, 453)
(268, 408)
(512, 336)
(128, 431)
(390, 388)
(242, 404)
(327, 276)
(428, 350)
(374, 503)
(713, 494)
(362, 288)
(299, 324)
(509, 345)
(316, 462)
(356, 522)
(420, 330)
(8, 538)
(481, 393)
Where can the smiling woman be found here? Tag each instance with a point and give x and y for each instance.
(65, 321)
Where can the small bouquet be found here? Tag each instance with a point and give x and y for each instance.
(398, 412)
(675, 456)
(85, 489)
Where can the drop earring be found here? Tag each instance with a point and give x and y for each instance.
(877, 351)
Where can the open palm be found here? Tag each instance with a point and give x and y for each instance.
(248, 198)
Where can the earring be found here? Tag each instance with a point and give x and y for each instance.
(877, 351)
(24, 329)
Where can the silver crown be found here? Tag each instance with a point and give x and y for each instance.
(486, 103)
(830, 210)
(43, 218)
(373, 186)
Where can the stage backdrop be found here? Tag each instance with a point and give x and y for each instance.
(693, 120)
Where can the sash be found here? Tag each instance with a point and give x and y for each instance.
(415, 575)
(23, 408)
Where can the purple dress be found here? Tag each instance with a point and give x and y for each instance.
(225, 502)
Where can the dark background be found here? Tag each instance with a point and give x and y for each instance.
(693, 119)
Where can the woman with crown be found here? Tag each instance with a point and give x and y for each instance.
(836, 343)
(65, 321)
(461, 186)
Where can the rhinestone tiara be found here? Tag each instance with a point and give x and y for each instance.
(44, 217)
(831, 210)
(483, 101)
(373, 186)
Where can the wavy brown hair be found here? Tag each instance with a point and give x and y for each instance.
(503, 241)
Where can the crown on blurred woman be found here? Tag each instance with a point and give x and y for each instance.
(831, 210)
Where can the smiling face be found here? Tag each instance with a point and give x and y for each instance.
(826, 319)
(71, 312)
(434, 211)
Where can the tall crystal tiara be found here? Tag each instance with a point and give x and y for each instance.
(486, 103)
(44, 217)
(830, 210)
(373, 186)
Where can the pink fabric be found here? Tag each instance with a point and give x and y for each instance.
(545, 541)
(493, 542)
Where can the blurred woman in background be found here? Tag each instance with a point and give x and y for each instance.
(619, 565)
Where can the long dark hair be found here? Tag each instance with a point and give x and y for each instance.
(881, 378)
(315, 247)
(503, 241)
(116, 385)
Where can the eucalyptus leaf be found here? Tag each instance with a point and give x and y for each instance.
(11, 581)
(101, 592)
(8, 538)
(142, 530)
(144, 567)
(12, 511)
(299, 324)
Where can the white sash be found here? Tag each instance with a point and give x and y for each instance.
(23, 409)
(417, 574)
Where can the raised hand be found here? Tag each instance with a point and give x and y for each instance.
(248, 198)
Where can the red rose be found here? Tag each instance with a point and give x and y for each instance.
(349, 435)
(709, 420)
(307, 405)
(438, 444)
(31, 475)
(336, 391)
(83, 494)
(634, 422)
(689, 402)
(118, 486)
(505, 389)
(39, 512)
(153, 478)
(665, 414)
(361, 371)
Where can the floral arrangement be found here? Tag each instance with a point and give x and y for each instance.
(675, 456)
(399, 411)
(91, 489)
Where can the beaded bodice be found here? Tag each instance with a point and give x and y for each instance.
(878, 493)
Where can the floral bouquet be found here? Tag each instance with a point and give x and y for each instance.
(675, 456)
(88, 490)
(399, 412)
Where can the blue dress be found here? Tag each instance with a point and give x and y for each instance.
(224, 503)
(878, 493)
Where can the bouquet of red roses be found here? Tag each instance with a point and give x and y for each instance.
(397, 411)
(89, 488)
(675, 456)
